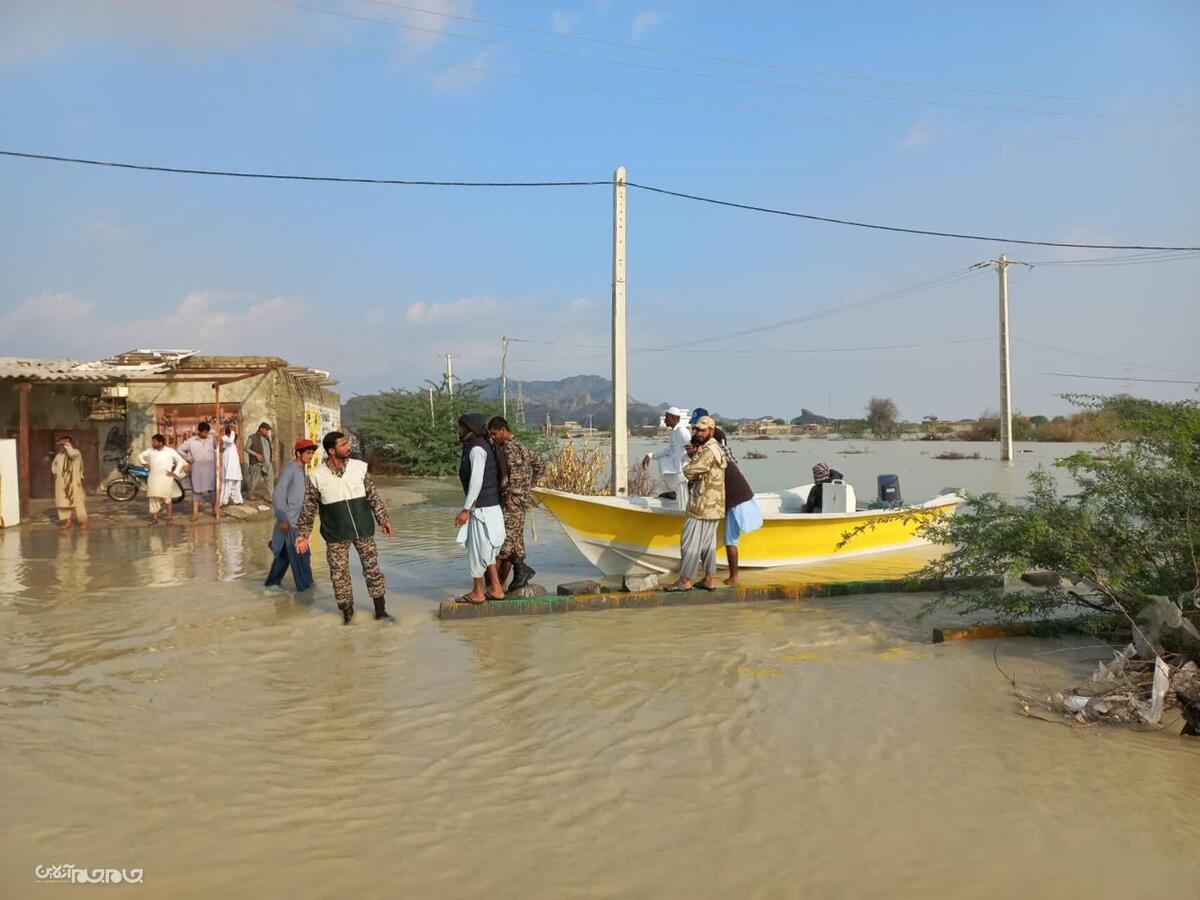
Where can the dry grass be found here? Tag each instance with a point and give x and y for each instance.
(586, 469)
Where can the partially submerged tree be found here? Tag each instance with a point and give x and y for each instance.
(883, 416)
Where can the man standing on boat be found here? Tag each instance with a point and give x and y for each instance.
(524, 468)
(673, 456)
(350, 506)
(705, 508)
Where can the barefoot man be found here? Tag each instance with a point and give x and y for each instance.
(67, 469)
(705, 471)
(164, 465)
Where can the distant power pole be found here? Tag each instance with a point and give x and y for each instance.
(504, 376)
(449, 370)
(520, 404)
(1002, 264)
(432, 420)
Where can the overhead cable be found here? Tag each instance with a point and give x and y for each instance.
(1119, 378)
(716, 76)
(729, 60)
(523, 184)
(896, 228)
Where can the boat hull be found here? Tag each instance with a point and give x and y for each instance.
(634, 536)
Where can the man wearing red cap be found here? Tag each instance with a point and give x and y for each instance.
(289, 498)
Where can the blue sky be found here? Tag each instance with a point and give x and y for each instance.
(374, 282)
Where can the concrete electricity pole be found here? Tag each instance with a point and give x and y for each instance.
(1002, 264)
(449, 370)
(620, 388)
(504, 376)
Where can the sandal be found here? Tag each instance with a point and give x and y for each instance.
(492, 599)
(701, 586)
(467, 598)
(678, 588)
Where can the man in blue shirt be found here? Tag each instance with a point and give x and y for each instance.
(289, 498)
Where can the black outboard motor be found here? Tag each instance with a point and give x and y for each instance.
(889, 488)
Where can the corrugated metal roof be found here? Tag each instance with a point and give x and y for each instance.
(14, 368)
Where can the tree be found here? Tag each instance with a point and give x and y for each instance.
(883, 416)
(1131, 529)
(403, 429)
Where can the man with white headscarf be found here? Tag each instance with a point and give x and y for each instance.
(672, 457)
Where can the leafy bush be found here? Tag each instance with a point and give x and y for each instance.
(1132, 530)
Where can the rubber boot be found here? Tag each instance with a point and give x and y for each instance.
(521, 573)
(347, 613)
(380, 611)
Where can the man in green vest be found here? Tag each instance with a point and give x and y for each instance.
(345, 495)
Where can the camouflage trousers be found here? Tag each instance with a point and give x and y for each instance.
(337, 554)
(514, 532)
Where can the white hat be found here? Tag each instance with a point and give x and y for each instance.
(674, 411)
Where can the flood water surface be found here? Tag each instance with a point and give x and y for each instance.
(164, 711)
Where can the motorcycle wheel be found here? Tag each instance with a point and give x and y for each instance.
(122, 490)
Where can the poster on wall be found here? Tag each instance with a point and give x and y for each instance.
(318, 422)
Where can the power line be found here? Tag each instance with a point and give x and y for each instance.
(1109, 359)
(1120, 378)
(477, 69)
(825, 73)
(1133, 259)
(874, 299)
(518, 184)
(713, 76)
(896, 228)
(276, 177)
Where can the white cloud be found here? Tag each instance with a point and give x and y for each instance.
(462, 78)
(432, 25)
(107, 230)
(36, 318)
(422, 313)
(577, 308)
(646, 20)
(918, 136)
(563, 21)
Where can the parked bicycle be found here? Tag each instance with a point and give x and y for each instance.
(133, 478)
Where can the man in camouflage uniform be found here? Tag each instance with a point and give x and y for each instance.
(520, 470)
(705, 471)
(350, 506)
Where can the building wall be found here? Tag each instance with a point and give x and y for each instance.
(274, 397)
(56, 407)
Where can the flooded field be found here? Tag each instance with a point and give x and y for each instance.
(164, 711)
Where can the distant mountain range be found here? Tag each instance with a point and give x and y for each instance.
(568, 399)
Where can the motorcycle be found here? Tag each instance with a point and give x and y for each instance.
(133, 478)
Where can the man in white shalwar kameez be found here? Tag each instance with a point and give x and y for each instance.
(231, 471)
(164, 464)
(481, 520)
(673, 457)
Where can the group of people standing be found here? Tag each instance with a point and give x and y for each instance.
(195, 460)
(498, 474)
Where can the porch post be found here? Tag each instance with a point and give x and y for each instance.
(23, 390)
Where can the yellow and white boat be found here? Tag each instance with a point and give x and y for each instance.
(640, 535)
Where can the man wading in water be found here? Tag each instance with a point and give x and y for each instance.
(480, 522)
(350, 506)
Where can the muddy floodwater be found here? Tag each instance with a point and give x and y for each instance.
(162, 710)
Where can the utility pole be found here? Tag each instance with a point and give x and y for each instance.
(432, 420)
(520, 403)
(449, 370)
(620, 387)
(504, 376)
(1002, 264)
